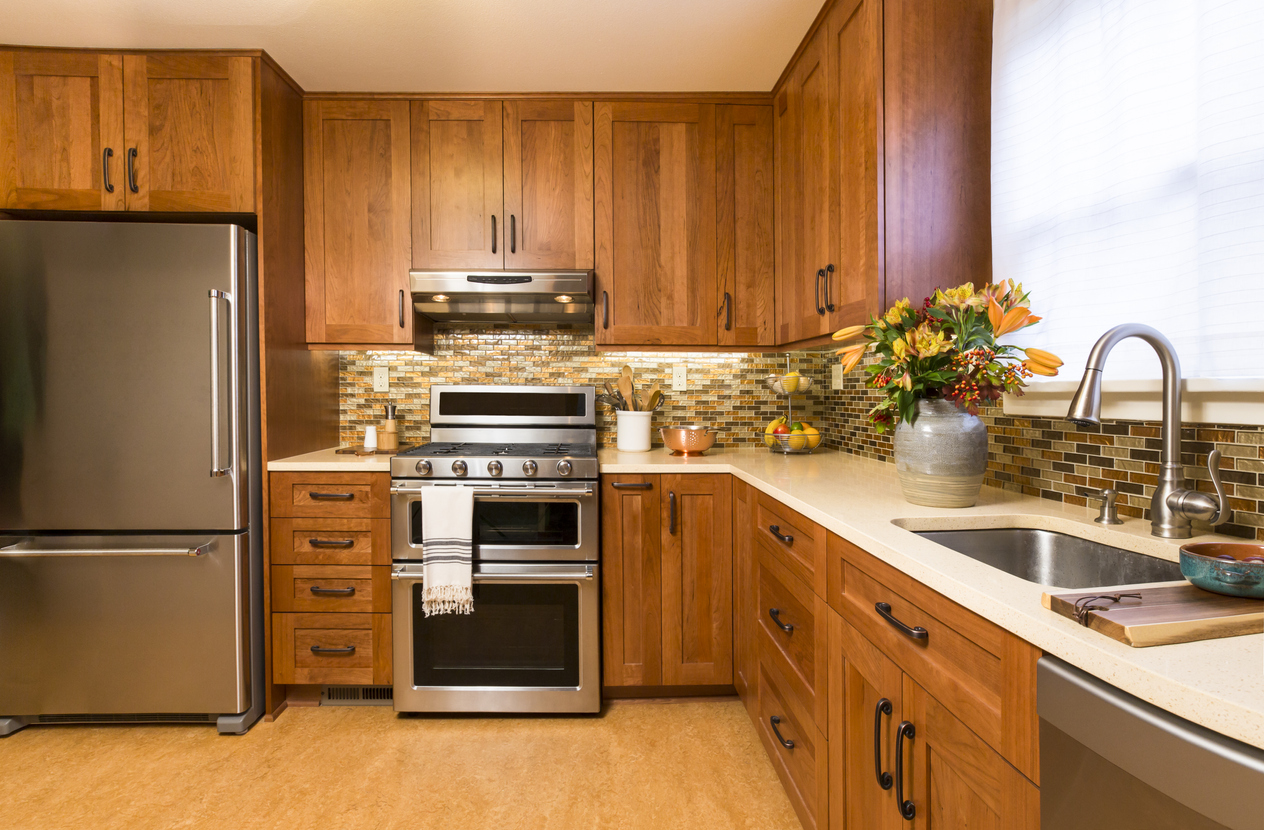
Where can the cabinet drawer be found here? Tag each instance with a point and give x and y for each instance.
(331, 541)
(797, 540)
(803, 768)
(331, 588)
(348, 648)
(331, 495)
(802, 649)
(982, 673)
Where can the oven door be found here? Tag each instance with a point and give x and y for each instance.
(513, 522)
(531, 644)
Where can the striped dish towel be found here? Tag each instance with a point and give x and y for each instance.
(447, 550)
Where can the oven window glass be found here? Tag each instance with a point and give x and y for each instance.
(511, 522)
(522, 404)
(520, 634)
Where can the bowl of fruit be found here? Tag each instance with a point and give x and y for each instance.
(785, 436)
(791, 383)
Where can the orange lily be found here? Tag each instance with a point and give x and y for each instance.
(850, 333)
(1046, 358)
(996, 315)
(851, 356)
(1014, 319)
(1040, 369)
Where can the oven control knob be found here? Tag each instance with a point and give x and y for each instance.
(458, 467)
(423, 468)
(563, 468)
(494, 469)
(529, 468)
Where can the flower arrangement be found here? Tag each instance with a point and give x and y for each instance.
(946, 349)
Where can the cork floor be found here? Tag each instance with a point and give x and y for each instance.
(677, 765)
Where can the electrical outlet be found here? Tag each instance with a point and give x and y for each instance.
(381, 379)
(836, 376)
(680, 381)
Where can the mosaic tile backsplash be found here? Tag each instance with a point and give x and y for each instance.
(1041, 457)
(726, 391)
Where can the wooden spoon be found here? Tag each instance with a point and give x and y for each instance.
(625, 389)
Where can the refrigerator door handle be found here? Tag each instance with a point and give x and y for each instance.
(20, 551)
(216, 296)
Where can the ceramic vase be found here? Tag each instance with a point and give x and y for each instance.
(942, 456)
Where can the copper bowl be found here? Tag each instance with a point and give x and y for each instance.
(688, 440)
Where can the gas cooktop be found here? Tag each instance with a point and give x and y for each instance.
(512, 450)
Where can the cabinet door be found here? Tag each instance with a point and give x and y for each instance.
(655, 224)
(549, 184)
(744, 656)
(631, 582)
(61, 131)
(189, 122)
(744, 217)
(866, 704)
(696, 512)
(954, 779)
(356, 210)
(458, 185)
(803, 312)
(855, 60)
(786, 201)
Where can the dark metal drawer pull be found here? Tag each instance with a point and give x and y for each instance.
(904, 730)
(131, 170)
(633, 485)
(671, 504)
(333, 592)
(883, 708)
(786, 538)
(774, 720)
(829, 269)
(323, 650)
(775, 613)
(106, 155)
(331, 496)
(916, 632)
(331, 543)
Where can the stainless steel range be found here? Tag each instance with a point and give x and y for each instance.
(532, 643)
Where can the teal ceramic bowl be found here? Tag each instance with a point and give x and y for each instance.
(1225, 568)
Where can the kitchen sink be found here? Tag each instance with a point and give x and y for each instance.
(1051, 558)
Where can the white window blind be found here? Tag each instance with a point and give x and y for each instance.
(1128, 177)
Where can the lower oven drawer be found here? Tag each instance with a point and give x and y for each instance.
(331, 588)
(331, 648)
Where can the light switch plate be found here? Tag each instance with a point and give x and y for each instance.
(381, 379)
(680, 381)
(836, 376)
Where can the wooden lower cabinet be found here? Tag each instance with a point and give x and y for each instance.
(350, 649)
(745, 660)
(631, 581)
(795, 745)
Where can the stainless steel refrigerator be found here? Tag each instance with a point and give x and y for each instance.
(130, 474)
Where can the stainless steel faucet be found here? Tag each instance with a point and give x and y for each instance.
(1173, 507)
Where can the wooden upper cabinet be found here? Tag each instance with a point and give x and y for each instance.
(189, 121)
(655, 211)
(696, 514)
(458, 217)
(356, 209)
(855, 286)
(548, 148)
(744, 219)
(631, 585)
(61, 120)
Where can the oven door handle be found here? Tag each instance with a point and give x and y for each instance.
(531, 494)
(587, 572)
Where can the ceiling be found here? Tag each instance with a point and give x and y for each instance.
(452, 45)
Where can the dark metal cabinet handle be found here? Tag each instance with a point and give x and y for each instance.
(785, 538)
(728, 311)
(904, 730)
(401, 308)
(829, 269)
(323, 650)
(131, 170)
(883, 708)
(331, 496)
(513, 234)
(605, 310)
(671, 512)
(820, 275)
(632, 485)
(493, 233)
(106, 155)
(775, 613)
(774, 720)
(333, 592)
(331, 543)
(916, 632)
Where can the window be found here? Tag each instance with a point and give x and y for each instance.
(1128, 177)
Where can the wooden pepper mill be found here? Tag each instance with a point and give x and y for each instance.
(388, 438)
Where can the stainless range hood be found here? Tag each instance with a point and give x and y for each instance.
(503, 296)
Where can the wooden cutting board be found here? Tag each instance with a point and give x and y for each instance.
(1165, 614)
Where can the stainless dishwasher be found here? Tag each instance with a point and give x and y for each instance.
(1108, 759)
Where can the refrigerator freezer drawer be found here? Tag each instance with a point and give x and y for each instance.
(113, 625)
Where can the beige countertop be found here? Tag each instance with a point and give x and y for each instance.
(1216, 683)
